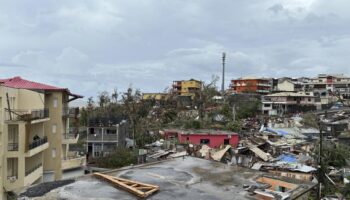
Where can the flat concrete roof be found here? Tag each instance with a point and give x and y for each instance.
(179, 178)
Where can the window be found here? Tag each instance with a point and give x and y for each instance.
(309, 99)
(12, 102)
(226, 141)
(55, 103)
(54, 128)
(204, 141)
(12, 168)
(53, 152)
(187, 138)
(282, 189)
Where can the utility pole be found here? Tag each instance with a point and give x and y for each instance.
(320, 163)
(223, 73)
(234, 112)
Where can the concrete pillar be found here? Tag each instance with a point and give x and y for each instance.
(102, 140)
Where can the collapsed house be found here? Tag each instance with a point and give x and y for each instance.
(275, 187)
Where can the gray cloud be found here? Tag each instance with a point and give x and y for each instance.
(90, 46)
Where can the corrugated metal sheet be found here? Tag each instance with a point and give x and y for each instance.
(260, 153)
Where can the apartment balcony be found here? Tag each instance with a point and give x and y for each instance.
(33, 174)
(37, 146)
(32, 116)
(72, 112)
(70, 138)
(102, 138)
(73, 162)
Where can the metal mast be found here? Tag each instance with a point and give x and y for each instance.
(223, 72)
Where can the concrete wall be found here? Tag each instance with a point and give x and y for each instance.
(285, 86)
(275, 183)
(295, 175)
(37, 100)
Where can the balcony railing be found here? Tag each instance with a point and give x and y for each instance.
(105, 137)
(25, 115)
(69, 135)
(38, 142)
(12, 147)
(33, 169)
(264, 84)
(70, 111)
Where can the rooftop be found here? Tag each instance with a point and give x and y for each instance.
(19, 83)
(290, 94)
(202, 132)
(179, 178)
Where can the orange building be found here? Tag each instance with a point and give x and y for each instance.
(250, 85)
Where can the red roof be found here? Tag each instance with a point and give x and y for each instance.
(18, 82)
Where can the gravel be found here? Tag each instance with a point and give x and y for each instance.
(43, 188)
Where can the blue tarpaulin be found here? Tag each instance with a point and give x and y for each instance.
(288, 158)
(278, 132)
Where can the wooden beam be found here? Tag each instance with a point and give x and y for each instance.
(137, 188)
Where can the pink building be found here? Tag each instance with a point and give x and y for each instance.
(212, 138)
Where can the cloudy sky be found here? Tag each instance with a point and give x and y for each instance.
(91, 46)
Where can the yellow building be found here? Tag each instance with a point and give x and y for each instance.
(187, 88)
(155, 96)
(34, 133)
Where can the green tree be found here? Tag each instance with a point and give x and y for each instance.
(120, 158)
(234, 126)
(310, 120)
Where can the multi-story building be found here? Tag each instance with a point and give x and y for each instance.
(105, 135)
(288, 102)
(289, 85)
(330, 85)
(187, 88)
(34, 124)
(250, 85)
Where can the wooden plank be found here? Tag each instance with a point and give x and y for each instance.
(133, 187)
(122, 185)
